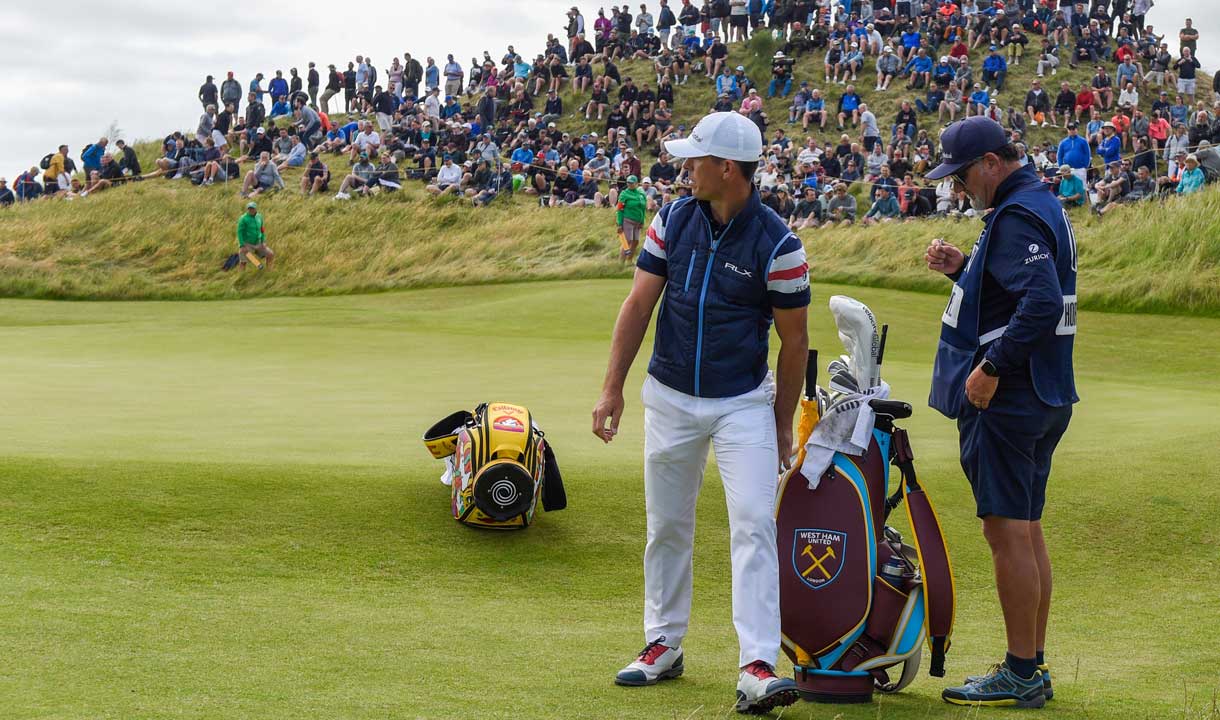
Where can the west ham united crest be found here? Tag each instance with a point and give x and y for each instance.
(817, 555)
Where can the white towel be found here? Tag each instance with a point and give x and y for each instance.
(846, 426)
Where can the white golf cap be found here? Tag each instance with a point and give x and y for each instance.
(726, 135)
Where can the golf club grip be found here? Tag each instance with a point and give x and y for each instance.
(885, 331)
(811, 375)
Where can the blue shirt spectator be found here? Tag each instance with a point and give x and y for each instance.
(1074, 151)
(1110, 148)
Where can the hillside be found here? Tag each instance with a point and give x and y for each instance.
(163, 240)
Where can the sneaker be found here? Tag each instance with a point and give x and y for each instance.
(342, 196)
(656, 662)
(759, 690)
(1046, 681)
(1000, 687)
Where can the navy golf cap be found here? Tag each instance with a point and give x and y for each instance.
(965, 141)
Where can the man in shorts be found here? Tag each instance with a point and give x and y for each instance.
(1003, 370)
(252, 237)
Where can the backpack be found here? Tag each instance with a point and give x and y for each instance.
(230, 262)
(45, 163)
(85, 152)
(498, 464)
(855, 600)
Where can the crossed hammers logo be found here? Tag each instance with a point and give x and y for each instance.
(817, 561)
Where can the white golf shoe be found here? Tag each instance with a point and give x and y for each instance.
(656, 662)
(760, 691)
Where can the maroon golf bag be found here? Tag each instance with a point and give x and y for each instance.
(855, 601)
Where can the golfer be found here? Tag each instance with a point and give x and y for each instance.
(1004, 371)
(252, 236)
(728, 267)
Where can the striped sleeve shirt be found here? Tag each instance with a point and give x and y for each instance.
(788, 275)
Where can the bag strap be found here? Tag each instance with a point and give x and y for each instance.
(940, 595)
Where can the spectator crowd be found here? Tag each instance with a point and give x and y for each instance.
(499, 126)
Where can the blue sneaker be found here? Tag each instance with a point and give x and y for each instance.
(1045, 669)
(999, 688)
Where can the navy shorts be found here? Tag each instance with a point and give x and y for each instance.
(1006, 451)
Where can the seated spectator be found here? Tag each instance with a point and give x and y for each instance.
(316, 178)
(388, 179)
(26, 186)
(252, 236)
(1142, 187)
(1071, 188)
(1192, 177)
(995, 69)
(6, 196)
(296, 155)
(1112, 186)
(448, 179)
(808, 212)
(842, 208)
(265, 177)
(362, 179)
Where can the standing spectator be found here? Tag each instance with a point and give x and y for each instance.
(631, 206)
(207, 123)
(432, 75)
(1074, 151)
(313, 82)
(349, 88)
(453, 77)
(91, 157)
(207, 92)
(1186, 67)
(129, 164)
(256, 86)
(252, 236)
(57, 176)
(1189, 38)
(412, 75)
(230, 93)
(6, 196)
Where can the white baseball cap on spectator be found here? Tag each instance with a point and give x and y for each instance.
(726, 135)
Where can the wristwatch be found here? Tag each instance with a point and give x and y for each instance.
(989, 369)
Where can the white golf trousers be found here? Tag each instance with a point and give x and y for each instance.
(678, 429)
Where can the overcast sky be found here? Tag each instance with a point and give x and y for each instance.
(73, 67)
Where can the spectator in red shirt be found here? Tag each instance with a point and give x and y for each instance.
(1084, 100)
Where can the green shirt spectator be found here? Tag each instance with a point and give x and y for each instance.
(250, 228)
(631, 205)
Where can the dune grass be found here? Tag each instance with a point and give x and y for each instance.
(166, 240)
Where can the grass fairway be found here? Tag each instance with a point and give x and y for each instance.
(223, 510)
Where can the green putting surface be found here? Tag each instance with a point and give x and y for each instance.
(223, 510)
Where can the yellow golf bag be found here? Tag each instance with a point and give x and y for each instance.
(500, 464)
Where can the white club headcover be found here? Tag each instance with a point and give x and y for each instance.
(858, 333)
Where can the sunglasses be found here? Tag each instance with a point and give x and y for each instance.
(959, 177)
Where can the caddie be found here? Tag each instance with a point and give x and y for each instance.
(1004, 372)
(728, 268)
